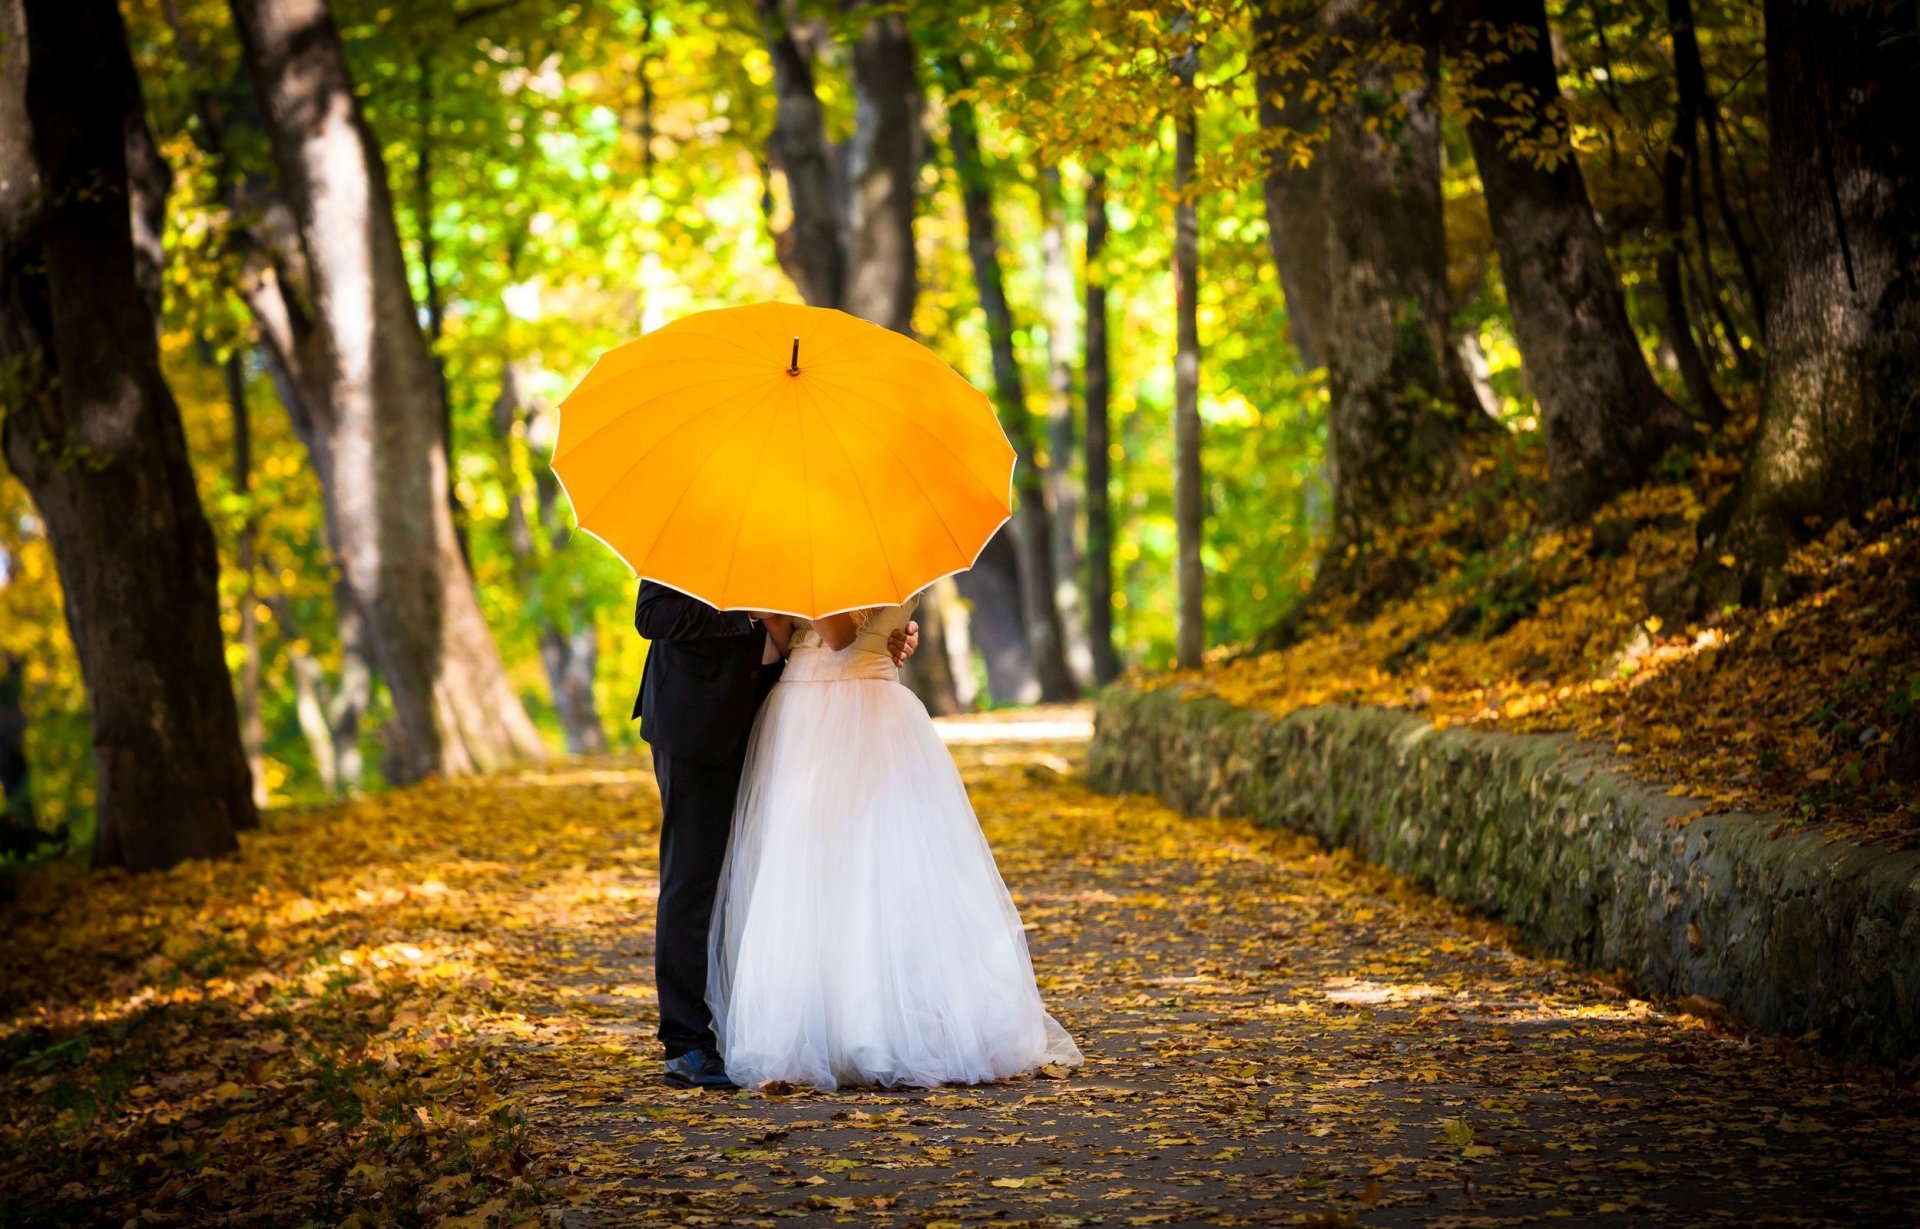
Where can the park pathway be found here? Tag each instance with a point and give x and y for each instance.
(1274, 1034)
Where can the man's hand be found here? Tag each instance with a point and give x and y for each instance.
(903, 643)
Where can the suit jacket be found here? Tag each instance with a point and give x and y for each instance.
(703, 680)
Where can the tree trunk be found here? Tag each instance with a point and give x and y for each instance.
(1099, 379)
(883, 275)
(1682, 157)
(252, 731)
(569, 648)
(1063, 505)
(329, 714)
(933, 672)
(94, 433)
(1033, 527)
(1682, 152)
(998, 619)
(310, 709)
(1189, 511)
(811, 250)
(1840, 415)
(1287, 47)
(430, 283)
(352, 690)
(1395, 421)
(374, 418)
(16, 799)
(1606, 420)
(570, 659)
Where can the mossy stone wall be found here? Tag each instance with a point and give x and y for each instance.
(1794, 933)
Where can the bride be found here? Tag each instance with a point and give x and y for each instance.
(861, 933)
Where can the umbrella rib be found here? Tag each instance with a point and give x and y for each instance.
(851, 335)
(935, 436)
(866, 499)
(576, 445)
(722, 337)
(588, 383)
(682, 496)
(759, 459)
(989, 425)
(938, 514)
(581, 516)
(806, 509)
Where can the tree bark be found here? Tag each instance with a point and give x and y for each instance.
(1189, 511)
(569, 649)
(93, 431)
(329, 714)
(252, 730)
(998, 620)
(1682, 156)
(1287, 45)
(1033, 527)
(811, 249)
(430, 283)
(882, 270)
(1840, 415)
(374, 421)
(933, 675)
(1099, 380)
(16, 798)
(1395, 421)
(1606, 420)
(1063, 504)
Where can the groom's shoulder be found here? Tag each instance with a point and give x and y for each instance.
(654, 591)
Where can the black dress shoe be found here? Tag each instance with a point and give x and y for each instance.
(698, 1069)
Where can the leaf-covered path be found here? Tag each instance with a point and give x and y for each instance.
(1272, 1033)
(434, 1007)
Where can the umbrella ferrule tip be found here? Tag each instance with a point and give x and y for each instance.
(793, 363)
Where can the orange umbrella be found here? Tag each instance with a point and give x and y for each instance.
(786, 458)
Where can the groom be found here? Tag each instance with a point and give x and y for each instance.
(707, 672)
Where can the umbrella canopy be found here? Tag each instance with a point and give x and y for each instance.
(785, 458)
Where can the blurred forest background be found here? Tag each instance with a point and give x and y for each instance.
(1256, 287)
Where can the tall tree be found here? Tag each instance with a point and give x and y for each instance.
(1606, 420)
(19, 829)
(1288, 46)
(850, 243)
(252, 729)
(94, 433)
(1189, 511)
(569, 641)
(1395, 421)
(1841, 414)
(1098, 381)
(1032, 522)
(1682, 160)
(1063, 504)
(369, 407)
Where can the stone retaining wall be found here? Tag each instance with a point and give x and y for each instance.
(1794, 934)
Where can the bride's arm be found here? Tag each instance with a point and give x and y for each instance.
(838, 630)
(779, 629)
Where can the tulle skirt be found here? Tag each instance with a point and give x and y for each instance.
(862, 934)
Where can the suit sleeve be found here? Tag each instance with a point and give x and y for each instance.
(667, 614)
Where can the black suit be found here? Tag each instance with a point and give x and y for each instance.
(702, 685)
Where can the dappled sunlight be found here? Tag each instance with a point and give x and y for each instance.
(465, 1021)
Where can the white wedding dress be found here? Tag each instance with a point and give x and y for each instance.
(862, 934)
